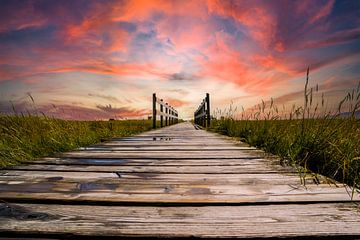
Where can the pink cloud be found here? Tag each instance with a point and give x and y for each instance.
(340, 37)
(323, 11)
(176, 102)
(273, 63)
(141, 10)
(255, 16)
(223, 62)
(18, 18)
(121, 70)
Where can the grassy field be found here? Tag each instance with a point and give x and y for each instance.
(325, 143)
(329, 147)
(24, 138)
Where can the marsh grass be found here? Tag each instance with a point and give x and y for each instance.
(25, 137)
(325, 142)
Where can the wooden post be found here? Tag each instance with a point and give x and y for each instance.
(208, 110)
(161, 116)
(172, 118)
(203, 117)
(154, 111)
(166, 111)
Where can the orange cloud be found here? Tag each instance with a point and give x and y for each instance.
(140, 10)
(272, 63)
(92, 30)
(176, 102)
(121, 70)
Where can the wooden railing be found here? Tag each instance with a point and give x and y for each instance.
(202, 114)
(166, 112)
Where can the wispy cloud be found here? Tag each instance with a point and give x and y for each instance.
(106, 97)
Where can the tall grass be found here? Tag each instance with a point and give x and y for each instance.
(23, 138)
(325, 142)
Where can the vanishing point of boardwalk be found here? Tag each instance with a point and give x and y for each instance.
(177, 181)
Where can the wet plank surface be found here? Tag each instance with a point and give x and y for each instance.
(172, 182)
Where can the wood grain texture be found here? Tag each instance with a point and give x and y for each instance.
(175, 182)
(159, 169)
(311, 220)
(159, 162)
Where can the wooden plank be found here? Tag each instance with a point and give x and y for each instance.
(164, 148)
(170, 138)
(294, 220)
(161, 154)
(53, 175)
(159, 162)
(158, 169)
(149, 178)
(113, 190)
(169, 146)
(166, 143)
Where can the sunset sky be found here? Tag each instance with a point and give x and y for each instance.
(81, 59)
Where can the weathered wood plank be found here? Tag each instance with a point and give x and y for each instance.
(165, 148)
(201, 192)
(160, 154)
(168, 143)
(159, 169)
(53, 175)
(159, 162)
(150, 178)
(311, 220)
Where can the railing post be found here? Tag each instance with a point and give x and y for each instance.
(162, 111)
(172, 118)
(208, 110)
(154, 111)
(166, 111)
(203, 111)
(170, 115)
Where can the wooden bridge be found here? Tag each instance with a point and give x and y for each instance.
(178, 181)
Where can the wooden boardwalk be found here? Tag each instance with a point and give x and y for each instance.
(177, 181)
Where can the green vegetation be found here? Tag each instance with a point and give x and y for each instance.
(326, 143)
(24, 138)
(329, 147)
